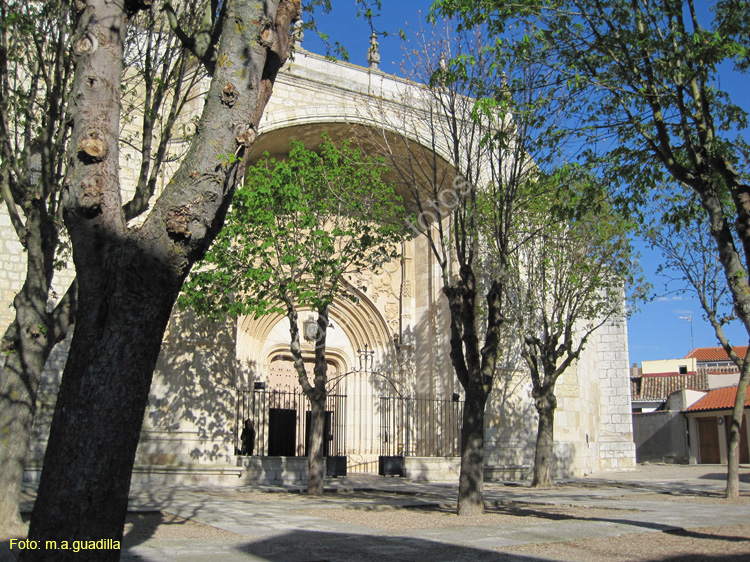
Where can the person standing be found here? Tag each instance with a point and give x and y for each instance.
(248, 438)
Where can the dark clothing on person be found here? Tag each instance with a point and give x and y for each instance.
(248, 438)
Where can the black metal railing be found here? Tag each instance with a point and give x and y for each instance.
(422, 427)
(282, 420)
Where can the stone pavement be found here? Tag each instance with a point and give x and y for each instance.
(277, 530)
(274, 532)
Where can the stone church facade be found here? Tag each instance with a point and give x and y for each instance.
(393, 386)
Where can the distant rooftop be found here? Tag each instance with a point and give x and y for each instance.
(715, 353)
(657, 388)
(719, 399)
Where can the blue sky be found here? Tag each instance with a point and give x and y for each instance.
(658, 330)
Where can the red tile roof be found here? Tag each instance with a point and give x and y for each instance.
(660, 386)
(719, 399)
(715, 353)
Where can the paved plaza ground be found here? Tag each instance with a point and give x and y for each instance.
(655, 513)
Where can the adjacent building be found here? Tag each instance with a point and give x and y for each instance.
(682, 407)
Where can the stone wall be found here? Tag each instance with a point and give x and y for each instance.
(432, 469)
(191, 416)
(273, 470)
(660, 437)
(616, 446)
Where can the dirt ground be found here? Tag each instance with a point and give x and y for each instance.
(729, 542)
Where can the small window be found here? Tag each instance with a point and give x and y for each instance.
(683, 369)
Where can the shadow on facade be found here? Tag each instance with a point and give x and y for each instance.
(194, 409)
(193, 396)
(660, 437)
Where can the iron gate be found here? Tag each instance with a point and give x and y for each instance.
(282, 419)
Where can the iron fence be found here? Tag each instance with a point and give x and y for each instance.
(422, 427)
(282, 420)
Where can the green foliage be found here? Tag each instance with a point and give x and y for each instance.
(569, 276)
(644, 84)
(296, 229)
(647, 79)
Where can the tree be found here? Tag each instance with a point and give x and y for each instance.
(485, 128)
(691, 262)
(34, 81)
(568, 280)
(446, 200)
(129, 276)
(294, 231)
(647, 75)
(35, 93)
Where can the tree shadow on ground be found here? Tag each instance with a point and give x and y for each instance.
(696, 535)
(744, 476)
(315, 546)
(150, 507)
(312, 546)
(670, 488)
(555, 513)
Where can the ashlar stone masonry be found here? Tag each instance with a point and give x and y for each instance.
(211, 375)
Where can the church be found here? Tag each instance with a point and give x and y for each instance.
(392, 391)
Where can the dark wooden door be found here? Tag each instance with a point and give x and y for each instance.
(708, 440)
(744, 456)
(282, 432)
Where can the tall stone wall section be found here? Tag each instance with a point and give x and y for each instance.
(593, 425)
(577, 416)
(616, 445)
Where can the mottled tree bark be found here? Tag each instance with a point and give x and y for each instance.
(315, 460)
(27, 343)
(317, 396)
(83, 492)
(544, 457)
(18, 392)
(315, 392)
(737, 280)
(733, 454)
(471, 478)
(129, 278)
(475, 371)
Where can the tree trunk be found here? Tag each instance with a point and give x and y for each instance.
(544, 455)
(471, 479)
(733, 454)
(316, 461)
(27, 343)
(83, 492)
(315, 393)
(737, 281)
(475, 371)
(317, 396)
(129, 278)
(25, 357)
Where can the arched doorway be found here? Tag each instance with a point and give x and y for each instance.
(272, 395)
